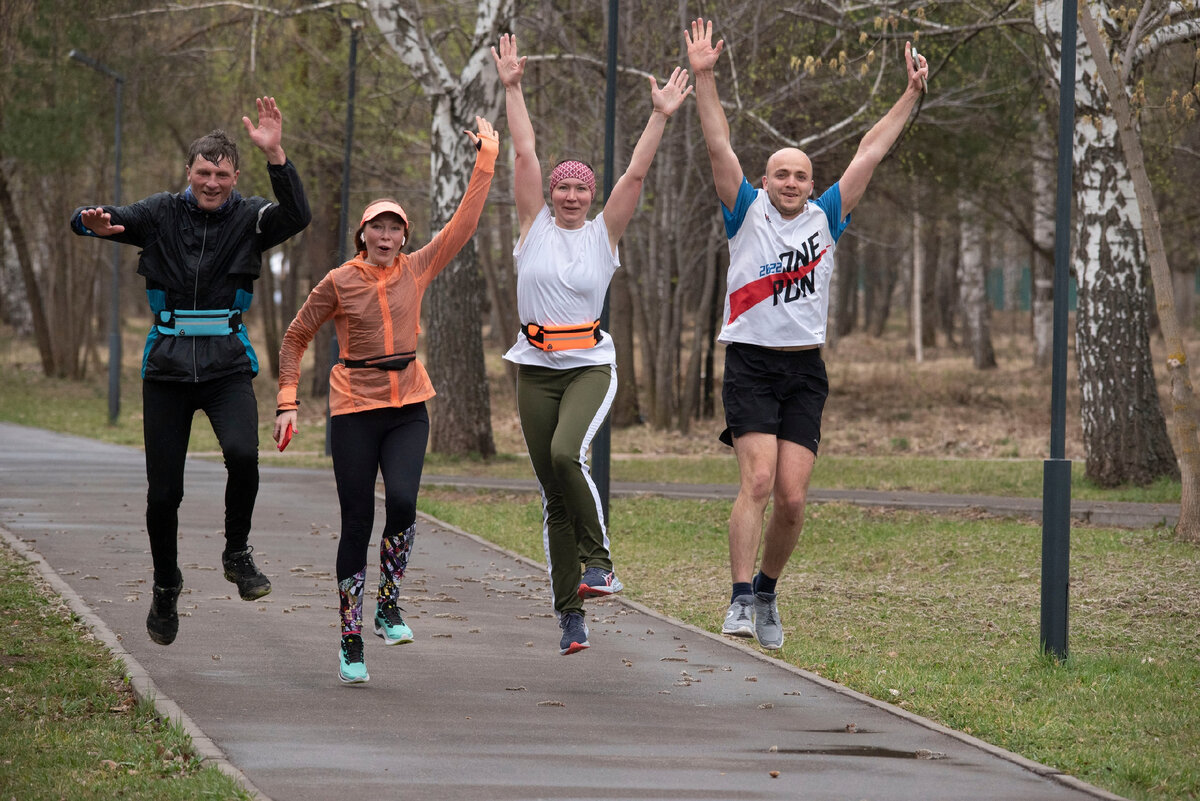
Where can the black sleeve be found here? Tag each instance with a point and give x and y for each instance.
(290, 214)
(139, 219)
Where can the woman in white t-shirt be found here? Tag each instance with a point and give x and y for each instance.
(566, 366)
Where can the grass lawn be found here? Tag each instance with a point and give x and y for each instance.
(69, 723)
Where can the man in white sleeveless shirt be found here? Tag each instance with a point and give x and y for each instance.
(782, 247)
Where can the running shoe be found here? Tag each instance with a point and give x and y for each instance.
(241, 570)
(739, 619)
(598, 582)
(767, 628)
(390, 625)
(352, 667)
(575, 634)
(162, 624)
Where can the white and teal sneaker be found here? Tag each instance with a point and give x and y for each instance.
(352, 667)
(390, 625)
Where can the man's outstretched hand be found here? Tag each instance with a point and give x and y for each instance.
(268, 134)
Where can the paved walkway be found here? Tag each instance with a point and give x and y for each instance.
(481, 706)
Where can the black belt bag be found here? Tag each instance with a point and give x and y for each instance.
(393, 361)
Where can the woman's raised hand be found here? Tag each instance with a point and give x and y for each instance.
(671, 96)
(486, 131)
(510, 65)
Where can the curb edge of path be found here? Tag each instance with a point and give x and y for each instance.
(1054, 774)
(144, 688)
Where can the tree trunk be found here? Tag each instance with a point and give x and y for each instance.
(946, 288)
(462, 423)
(1184, 399)
(916, 323)
(625, 409)
(1124, 433)
(41, 327)
(1041, 260)
(844, 292)
(972, 279)
(932, 236)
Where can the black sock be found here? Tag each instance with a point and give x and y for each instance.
(741, 588)
(762, 583)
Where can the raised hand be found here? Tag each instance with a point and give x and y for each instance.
(268, 134)
(486, 131)
(918, 67)
(99, 222)
(701, 53)
(510, 65)
(673, 92)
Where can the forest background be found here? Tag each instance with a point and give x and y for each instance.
(943, 296)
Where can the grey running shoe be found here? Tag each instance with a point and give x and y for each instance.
(767, 628)
(162, 624)
(575, 634)
(241, 570)
(739, 620)
(598, 582)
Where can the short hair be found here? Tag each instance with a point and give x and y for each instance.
(214, 147)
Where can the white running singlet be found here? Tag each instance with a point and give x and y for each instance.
(779, 270)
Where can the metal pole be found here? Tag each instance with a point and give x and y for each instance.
(602, 444)
(114, 307)
(344, 212)
(1056, 482)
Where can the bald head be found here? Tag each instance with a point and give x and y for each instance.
(788, 181)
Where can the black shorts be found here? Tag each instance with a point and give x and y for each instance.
(774, 392)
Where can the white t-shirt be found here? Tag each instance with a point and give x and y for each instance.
(562, 278)
(779, 270)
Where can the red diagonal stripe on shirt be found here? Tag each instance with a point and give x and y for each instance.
(749, 295)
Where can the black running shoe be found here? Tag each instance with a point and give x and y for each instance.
(162, 624)
(241, 570)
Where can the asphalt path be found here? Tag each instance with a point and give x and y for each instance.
(481, 706)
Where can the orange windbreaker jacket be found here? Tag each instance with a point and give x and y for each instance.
(377, 310)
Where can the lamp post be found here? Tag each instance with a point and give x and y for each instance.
(1056, 477)
(114, 309)
(343, 213)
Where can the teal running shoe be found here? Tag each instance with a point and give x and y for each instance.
(352, 666)
(390, 625)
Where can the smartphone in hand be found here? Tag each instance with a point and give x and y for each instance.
(286, 438)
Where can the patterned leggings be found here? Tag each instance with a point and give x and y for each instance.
(391, 441)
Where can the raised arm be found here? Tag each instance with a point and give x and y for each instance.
(430, 260)
(267, 136)
(879, 140)
(702, 55)
(624, 196)
(527, 170)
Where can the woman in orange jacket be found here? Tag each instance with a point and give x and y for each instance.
(377, 393)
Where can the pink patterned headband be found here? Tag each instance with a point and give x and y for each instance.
(573, 169)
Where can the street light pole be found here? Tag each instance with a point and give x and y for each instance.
(343, 213)
(114, 309)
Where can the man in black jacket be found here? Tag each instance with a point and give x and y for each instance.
(201, 251)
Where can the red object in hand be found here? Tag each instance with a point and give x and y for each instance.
(287, 437)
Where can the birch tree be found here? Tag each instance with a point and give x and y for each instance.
(462, 423)
(1124, 430)
(1182, 397)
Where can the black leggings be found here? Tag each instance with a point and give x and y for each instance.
(363, 444)
(167, 411)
